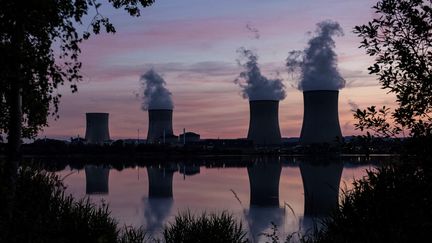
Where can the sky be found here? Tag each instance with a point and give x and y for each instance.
(192, 44)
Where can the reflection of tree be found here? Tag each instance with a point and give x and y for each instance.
(321, 188)
(97, 179)
(156, 211)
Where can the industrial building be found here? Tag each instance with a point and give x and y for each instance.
(97, 130)
(320, 118)
(264, 122)
(160, 129)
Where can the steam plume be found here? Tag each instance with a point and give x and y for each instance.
(317, 64)
(253, 30)
(255, 86)
(156, 95)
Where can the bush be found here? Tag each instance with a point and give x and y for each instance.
(391, 204)
(43, 212)
(208, 228)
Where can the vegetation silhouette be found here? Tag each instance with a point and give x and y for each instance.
(40, 47)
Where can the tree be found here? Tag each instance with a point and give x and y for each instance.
(39, 49)
(400, 39)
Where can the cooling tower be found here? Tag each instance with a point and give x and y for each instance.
(320, 118)
(321, 187)
(160, 125)
(264, 183)
(160, 182)
(264, 122)
(96, 179)
(97, 131)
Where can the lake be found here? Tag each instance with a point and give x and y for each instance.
(291, 192)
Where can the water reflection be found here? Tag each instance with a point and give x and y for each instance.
(321, 179)
(97, 177)
(160, 182)
(158, 204)
(264, 176)
(262, 186)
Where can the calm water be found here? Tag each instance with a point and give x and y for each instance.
(289, 192)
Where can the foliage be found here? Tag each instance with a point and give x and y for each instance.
(390, 204)
(209, 228)
(39, 46)
(400, 39)
(42, 212)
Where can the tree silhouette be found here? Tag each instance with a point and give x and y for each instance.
(39, 50)
(400, 39)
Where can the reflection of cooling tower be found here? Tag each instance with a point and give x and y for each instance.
(156, 210)
(264, 184)
(160, 124)
(264, 122)
(97, 128)
(96, 179)
(320, 119)
(160, 182)
(260, 219)
(321, 187)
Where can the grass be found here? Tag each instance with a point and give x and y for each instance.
(390, 204)
(43, 212)
(212, 227)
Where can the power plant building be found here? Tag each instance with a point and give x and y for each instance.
(97, 130)
(160, 127)
(320, 118)
(264, 122)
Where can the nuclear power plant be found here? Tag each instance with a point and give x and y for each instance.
(320, 118)
(97, 131)
(160, 181)
(97, 178)
(321, 187)
(264, 183)
(160, 125)
(264, 122)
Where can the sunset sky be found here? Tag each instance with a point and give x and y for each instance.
(193, 44)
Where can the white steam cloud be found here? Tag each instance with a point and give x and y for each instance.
(255, 86)
(317, 64)
(156, 95)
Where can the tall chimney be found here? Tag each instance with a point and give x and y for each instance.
(320, 119)
(97, 131)
(97, 178)
(160, 125)
(264, 122)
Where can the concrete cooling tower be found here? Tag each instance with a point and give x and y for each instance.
(321, 187)
(97, 178)
(264, 122)
(97, 131)
(264, 183)
(160, 125)
(320, 119)
(160, 181)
